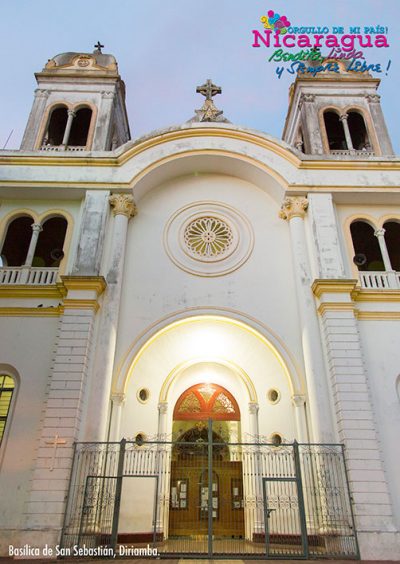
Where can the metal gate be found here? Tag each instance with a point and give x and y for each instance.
(209, 498)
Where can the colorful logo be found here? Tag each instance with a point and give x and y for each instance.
(275, 22)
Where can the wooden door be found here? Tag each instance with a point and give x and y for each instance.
(189, 496)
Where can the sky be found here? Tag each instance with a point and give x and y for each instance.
(166, 48)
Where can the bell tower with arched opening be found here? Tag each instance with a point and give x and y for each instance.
(79, 105)
(337, 114)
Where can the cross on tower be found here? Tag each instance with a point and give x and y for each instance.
(209, 89)
(98, 47)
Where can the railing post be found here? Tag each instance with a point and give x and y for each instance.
(300, 497)
(24, 274)
(118, 490)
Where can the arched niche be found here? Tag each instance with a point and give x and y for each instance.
(334, 131)
(367, 253)
(268, 169)
(205, 348)
(17, 240)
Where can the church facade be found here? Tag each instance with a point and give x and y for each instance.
(200, 325)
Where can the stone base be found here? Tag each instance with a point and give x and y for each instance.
(379, 546)
(36, 544)
(28, 545)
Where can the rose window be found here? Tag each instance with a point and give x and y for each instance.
(208, 237)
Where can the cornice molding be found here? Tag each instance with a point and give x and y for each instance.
(333, 286)
(55, 311)
(96, 283)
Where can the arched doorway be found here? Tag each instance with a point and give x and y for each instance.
(206, 466)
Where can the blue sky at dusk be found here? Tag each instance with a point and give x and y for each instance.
(167, 48)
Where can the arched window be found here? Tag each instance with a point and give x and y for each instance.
(358, 132)
(80, 128)
(206, 401)
(56, 128)
(334, 132)
(367, 253)
(16, 244)
(67, 128)
(49, 248)
(7, 386)
(392, 240)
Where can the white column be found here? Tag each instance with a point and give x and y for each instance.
(380, 235)
(99, 399)
(392, 277)
(36, 229)
(294, 210)
(255, 472)
(71, 115)
(343, 118)
(299, 404)
(24, 274)
(253, 422)
(164, 470)
(162, 420)
(117, 400)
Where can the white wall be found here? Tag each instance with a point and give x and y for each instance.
(155, 287)
(27, 345)
(381, 345)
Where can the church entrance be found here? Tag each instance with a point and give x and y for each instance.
(206, 488)
(204, 496)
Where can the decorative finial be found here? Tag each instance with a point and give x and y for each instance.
(209, 112)
(98, 48)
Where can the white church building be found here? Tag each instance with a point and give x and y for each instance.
(200, 328)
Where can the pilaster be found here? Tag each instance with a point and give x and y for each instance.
(310, 125)
(92, 232)
(30, 140)
(378, 119)
(353, 406)
(63, 410)
(325, 236)
(102, 140)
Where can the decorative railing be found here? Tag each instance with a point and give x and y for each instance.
(62, 148)
(380, 280)
(28, 275)
(353, 153)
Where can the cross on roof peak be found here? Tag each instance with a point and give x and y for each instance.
(208, 89)
(98, 47)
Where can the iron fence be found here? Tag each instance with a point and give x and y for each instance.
(210, 499)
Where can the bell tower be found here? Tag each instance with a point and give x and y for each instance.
(79, 105)
(337, 114)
